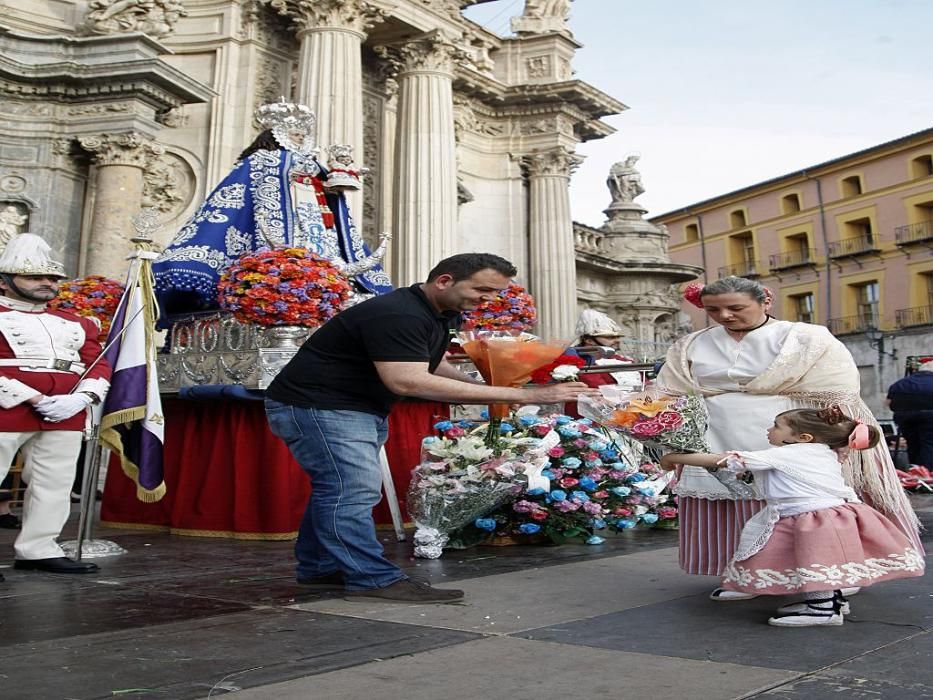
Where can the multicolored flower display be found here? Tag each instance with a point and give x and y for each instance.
(93, 296)
(512, 310)
(597, 483)
(551, 476)
(284, 287)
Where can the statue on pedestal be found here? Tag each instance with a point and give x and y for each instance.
(275, 196)
(625, 181)
(543, 16)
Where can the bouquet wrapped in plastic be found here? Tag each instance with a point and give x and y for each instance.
(673, 423)
(461, 479)
(505, 359)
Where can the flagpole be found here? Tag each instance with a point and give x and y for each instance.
(85, 546)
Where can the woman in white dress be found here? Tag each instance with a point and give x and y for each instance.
(750, 367)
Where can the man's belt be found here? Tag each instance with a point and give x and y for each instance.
(44, 363)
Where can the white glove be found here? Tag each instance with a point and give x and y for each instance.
(62, 407)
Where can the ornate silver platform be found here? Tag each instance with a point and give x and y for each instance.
(215, 348)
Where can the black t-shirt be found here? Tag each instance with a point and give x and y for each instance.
(334, 368)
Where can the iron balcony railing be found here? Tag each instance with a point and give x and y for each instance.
(852, 324)
(920, 232)
(852, 246)
(749, 268)
(914, 316)
(792, 258)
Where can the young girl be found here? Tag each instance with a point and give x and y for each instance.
(814, 536)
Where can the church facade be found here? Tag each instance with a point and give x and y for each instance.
(110, 106)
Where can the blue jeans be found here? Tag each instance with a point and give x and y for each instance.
(339, 450)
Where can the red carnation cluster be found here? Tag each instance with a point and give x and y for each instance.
(93, 296)
(692, 294)
(286, 287)
(512, 310)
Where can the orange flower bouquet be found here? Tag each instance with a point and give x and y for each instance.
(507, 360)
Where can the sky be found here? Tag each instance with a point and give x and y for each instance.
(723, 94)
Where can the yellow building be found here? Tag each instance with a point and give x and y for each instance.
(847, 243)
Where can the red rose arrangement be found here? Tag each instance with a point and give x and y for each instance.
(93, 296)
(284, 287)
(512, 310)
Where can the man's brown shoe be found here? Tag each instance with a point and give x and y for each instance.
(407, 591)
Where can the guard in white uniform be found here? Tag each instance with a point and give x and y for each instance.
(50, 373)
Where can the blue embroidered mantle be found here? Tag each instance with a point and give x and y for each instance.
(252, 208)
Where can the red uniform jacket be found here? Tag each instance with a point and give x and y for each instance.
(48, 334)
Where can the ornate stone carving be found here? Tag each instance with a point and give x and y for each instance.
(12, 183)
(555, 162)
(624, 181)
(130, 148)
(26, 109)
(543, 17)
(168, 184)
(262, 24)
(13, 220)
(372, 184)
(434, 51)
(93, 110)
(173, 118)
(538, 67)
(153, 17)
(269, 83)
(356, 15)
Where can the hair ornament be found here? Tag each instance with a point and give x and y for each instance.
(832, 415)
(859, 438)
(693, 293)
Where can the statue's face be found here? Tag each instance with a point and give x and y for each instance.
(297, 136)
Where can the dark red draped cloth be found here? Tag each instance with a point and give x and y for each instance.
(227, 475)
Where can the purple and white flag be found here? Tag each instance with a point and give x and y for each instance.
(133, 425)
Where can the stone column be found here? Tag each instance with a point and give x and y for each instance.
(425, 172)
(552, 274)
(118, 164)
(330, 77)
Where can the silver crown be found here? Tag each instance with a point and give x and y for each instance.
(283, 117)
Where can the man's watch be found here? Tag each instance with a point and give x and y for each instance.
(94, 397)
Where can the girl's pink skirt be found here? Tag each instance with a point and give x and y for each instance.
(841, 547)
(709, 532)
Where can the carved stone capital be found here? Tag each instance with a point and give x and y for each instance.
(153, 17)
(433, 52)
(352, 15)
(556, 162)
(130, 148)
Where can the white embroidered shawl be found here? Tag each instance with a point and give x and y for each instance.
(815, 370)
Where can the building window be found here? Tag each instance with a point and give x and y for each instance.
(742, 255)
(922, 166)
(859, 230)
(737, 219)
(851, 186)
(790, 203)
(867, 296)
(691, 233)
(802, 307)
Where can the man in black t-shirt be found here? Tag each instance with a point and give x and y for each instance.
(330, 405)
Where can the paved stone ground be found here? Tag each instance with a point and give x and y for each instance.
(187, 619)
